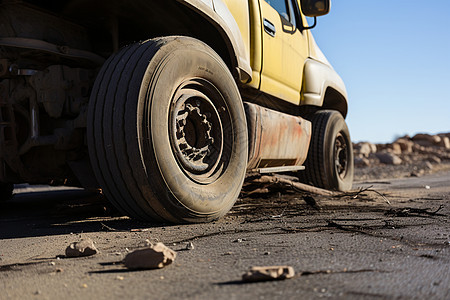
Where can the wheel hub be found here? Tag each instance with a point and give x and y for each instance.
(193, 131)
(340, 155)
(197, 131)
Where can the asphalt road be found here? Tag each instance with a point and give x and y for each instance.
(389, 240)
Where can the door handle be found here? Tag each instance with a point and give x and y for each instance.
(269, 28)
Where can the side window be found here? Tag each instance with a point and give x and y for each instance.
(286, 9)
(281, 7)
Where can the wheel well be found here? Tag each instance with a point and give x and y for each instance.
(335, 100)
(114, 25)
(171, 18)
(332, 99)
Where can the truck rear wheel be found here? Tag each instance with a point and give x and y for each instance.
(167, 132)
(6, 191)
(329, 163)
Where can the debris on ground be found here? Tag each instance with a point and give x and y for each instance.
(268, 273)
(145, 243)
(413, 212)
(84, 247)
(139, 230)
(345, 270)
(311, 201)
(239, 240)
(257, 184)
(154, 257)
(190, 246)
(107, 228)
(360, 192)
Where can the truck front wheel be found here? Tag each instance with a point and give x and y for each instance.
(167, 132)
(329, 163)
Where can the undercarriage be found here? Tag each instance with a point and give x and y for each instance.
(144, 100)
(47, 70)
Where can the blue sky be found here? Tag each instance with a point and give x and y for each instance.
(394, 57)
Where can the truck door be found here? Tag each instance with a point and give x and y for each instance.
(285, 49)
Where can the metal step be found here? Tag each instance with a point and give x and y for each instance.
(279, 169)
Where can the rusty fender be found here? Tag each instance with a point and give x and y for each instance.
(275, 139)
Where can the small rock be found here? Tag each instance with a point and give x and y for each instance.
(239, 240)
(427, 140)
(434, 159)
(445, 142)
(417, 173)
(85, 247)
(389, 158)
(190, 246)
(365, 148)
(145, 243)
(362, 162)
(155, 257)
(407, 159)
(139, 230)
(268, 273)
(395, 148)
(405, 145)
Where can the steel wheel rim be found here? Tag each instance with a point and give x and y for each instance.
(341, 155)
(200, 125)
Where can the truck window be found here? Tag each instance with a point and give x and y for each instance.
(285, 8)
(281, 7)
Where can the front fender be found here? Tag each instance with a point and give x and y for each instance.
(318, 78)
(217, 13)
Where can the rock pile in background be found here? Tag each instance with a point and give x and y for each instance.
(406, 156)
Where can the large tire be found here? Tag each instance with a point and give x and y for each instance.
(167, 132)
(329, 164)
(6, 191)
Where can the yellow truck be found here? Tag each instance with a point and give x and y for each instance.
(167, 105)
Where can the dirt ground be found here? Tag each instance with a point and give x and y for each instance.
(390, 239)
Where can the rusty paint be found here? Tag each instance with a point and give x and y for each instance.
(276, 139)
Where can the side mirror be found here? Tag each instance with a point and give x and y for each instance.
(315, 8)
